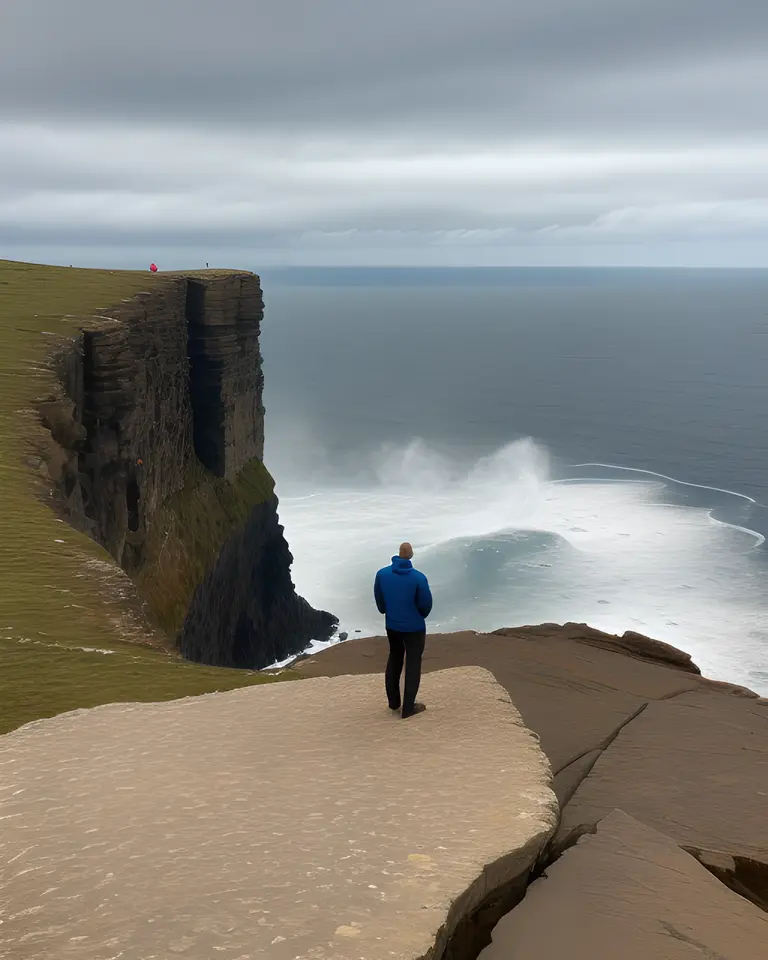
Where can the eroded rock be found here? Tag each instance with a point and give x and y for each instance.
(575, 695)
(155, 449)
(245, 612)
(681, 753)
(694, 767)
(631, 643)
(629, 891)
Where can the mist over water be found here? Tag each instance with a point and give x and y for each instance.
(665, 535)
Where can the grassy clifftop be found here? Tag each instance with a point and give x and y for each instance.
(61, 595)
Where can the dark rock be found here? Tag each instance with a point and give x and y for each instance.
(159, 416)
(126, 393)
(226, 382)
(245, 613)
(343, 636)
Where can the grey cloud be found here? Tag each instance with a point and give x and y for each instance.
(336, 62)
(417, 128)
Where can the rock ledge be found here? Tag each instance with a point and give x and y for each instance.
(294, 820)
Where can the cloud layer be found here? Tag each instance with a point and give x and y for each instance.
(337, 131)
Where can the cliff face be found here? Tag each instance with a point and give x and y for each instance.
(238, 615)
(157, 438)
(226, 382)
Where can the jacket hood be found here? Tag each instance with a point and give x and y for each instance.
(401, 566)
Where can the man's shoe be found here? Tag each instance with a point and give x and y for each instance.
(395, 706)
(416, 708)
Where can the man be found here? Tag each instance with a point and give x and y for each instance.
(402, 594)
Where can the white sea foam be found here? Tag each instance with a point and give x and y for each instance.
(504, 542)
(315, 647)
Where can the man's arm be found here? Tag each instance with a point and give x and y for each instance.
(378, 595)
(424, 597)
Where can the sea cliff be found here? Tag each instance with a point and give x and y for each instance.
(155, 438)
(609, 799)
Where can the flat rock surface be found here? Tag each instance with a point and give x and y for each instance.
(292, 820)
(694, 767)
(575, 695)
(629, 892)
(626, 723)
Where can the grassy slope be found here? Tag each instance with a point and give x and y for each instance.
(60, 592)
(40, 679)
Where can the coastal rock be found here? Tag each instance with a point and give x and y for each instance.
(575, 695)
(694, 767)
(291, 820)
(244, 613)
(626, 724)
(156, 446)
(226, 381)
(164, 380)
(628, 891)
(633, 644)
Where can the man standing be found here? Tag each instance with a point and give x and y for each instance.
(402, 594)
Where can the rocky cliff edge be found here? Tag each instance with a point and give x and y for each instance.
(154, 448)
(628, 724)
(294, 821)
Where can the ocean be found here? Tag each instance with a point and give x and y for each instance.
(587, 445)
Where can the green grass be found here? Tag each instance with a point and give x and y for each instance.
(40, 680)
(59, 591)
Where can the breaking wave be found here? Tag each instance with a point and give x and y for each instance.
(509, 540)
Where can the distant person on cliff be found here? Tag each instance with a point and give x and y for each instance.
(402, 594)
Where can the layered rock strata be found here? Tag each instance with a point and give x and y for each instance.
(156, 450)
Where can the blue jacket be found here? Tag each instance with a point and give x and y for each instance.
(403, 595)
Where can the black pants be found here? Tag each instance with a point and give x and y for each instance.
(408, 647)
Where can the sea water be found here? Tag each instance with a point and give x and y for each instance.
(557, 445)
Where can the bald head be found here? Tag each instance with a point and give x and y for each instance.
(406, 551)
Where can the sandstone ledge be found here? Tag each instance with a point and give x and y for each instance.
(694, 767)
(295, 820)
(628, 891)
(627, 723)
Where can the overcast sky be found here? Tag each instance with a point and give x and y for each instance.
(263, 132)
